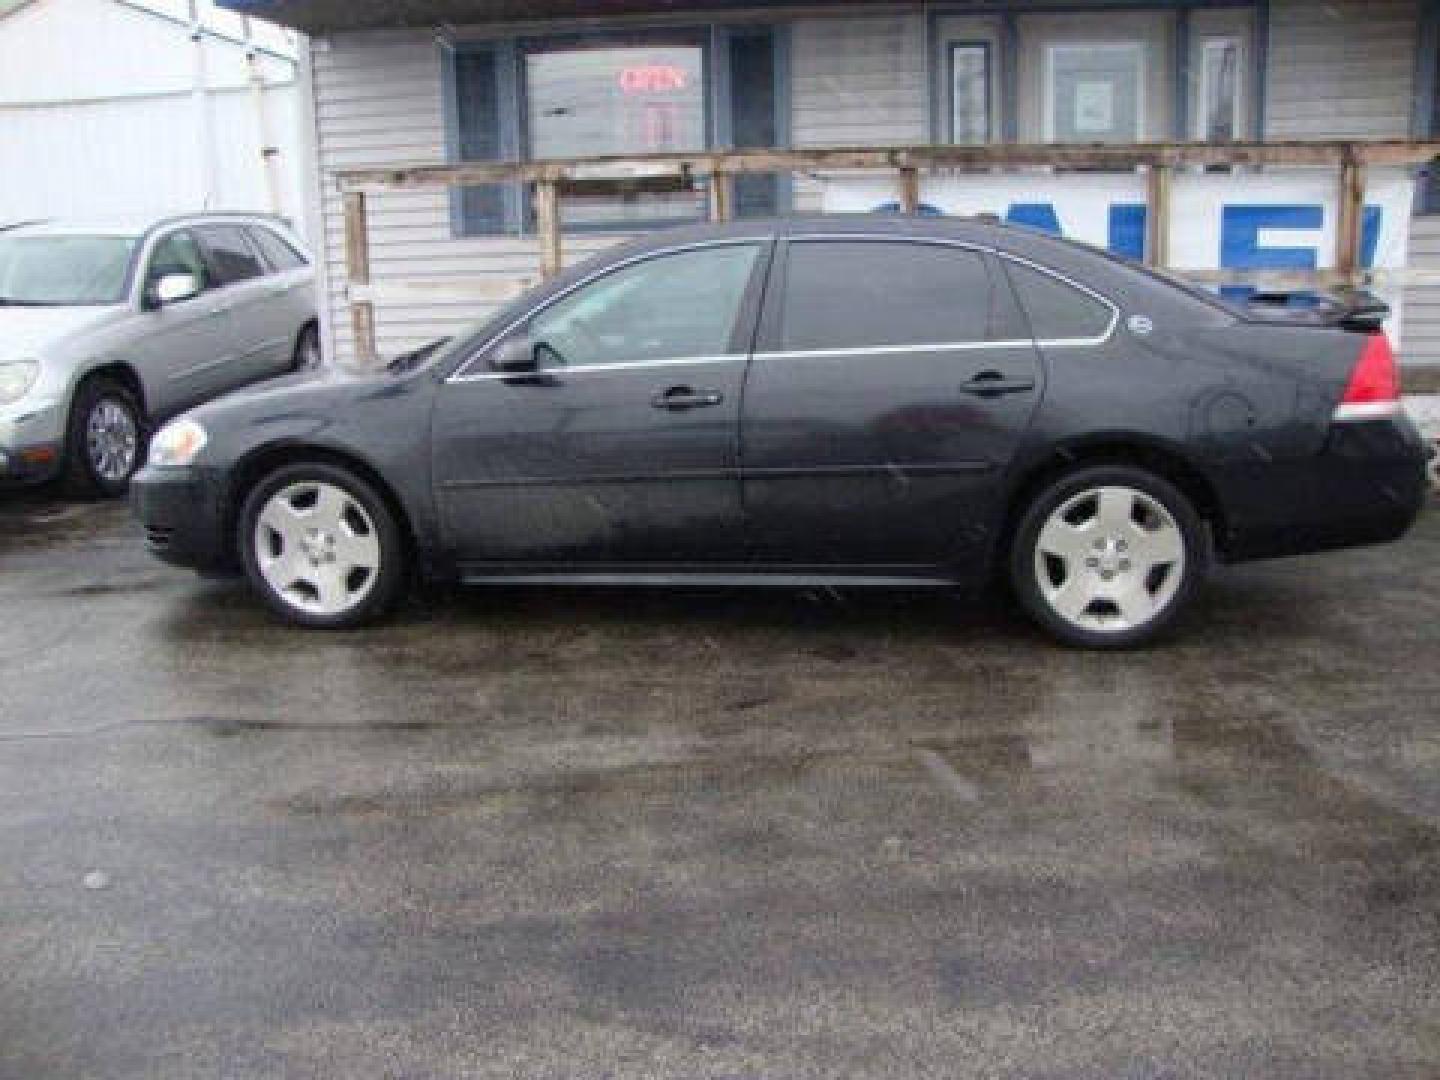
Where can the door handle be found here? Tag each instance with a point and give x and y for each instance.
(682, 397)
(994, 383)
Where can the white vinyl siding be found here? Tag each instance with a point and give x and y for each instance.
(1343, 69)
(856, 81)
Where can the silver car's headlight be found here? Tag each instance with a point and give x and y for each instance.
(17, 378)
(177, 444)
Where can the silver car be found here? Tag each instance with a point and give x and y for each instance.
(105, 331)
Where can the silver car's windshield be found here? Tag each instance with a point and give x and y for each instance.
(55, 271)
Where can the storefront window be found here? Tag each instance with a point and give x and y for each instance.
(1094, 92)
(591, 102)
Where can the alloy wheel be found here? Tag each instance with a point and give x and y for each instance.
(112, 439)
(1109, 559)
(317, 547)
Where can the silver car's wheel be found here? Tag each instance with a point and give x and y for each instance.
(112, 440)
(318, 548)
(1109, 560)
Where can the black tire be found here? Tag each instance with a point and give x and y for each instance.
(307, 355)
(88, 470)
(388, 578)
(1027, 564)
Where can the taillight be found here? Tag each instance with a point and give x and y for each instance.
(1374, 388)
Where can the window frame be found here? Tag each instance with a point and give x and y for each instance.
(768, 330)
(952, 45)
(219, 283)
(255, 230)
(1238, 122)
(774, 328)
(475, 356)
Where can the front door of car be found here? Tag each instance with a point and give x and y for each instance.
(891, 386)
(620, 446)
(182, 349)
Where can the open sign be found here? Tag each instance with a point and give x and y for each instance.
(651, 78)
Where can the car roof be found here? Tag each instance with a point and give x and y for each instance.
(129, 227)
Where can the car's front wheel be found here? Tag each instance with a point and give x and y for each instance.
(1107, 557)
(106, 438)
(321, 546)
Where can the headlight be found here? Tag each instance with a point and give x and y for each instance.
(16, 379)
(177, 444)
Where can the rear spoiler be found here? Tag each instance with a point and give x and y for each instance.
(1354, 309)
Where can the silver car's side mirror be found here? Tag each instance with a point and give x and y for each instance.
(174, 288)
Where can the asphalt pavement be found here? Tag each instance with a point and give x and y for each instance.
(560, 833)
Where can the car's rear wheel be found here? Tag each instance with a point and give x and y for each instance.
(1107, 557)
(308, 354)
(321, 546)
(105, 442)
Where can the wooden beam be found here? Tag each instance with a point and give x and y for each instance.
(722, 196)
(677, 169)
(1351, 220)
(909, 190)
(547, 226)
(357, 275)
(1157, 215)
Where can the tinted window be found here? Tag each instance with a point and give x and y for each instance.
(231, 256)
(1057, 310)
(277, 251)
(679, 305)
(177, 253)
(859, 294)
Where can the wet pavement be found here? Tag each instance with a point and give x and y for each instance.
(603, 834)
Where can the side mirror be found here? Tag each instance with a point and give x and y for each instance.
(515, 354)
(174, 288)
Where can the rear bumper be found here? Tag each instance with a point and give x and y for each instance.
(181, 511)
(1367, 486)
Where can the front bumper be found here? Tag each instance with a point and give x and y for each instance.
(182, 513)
(1367, 486)
(32, 436)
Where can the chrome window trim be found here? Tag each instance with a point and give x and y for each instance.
(585, 369)
(462, 373)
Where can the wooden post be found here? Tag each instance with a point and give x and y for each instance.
(1351, 218)
(547, 225)
(1157, 215)
(357, 276)
(909, 189)
(722, 196)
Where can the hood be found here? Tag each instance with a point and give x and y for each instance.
(303, 392)
(28, 331)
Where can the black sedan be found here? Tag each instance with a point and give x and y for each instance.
(875, 401)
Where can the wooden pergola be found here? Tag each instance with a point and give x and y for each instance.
(551, 181)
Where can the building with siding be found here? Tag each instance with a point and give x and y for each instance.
(437, 81)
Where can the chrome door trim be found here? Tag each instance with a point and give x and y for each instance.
(585, 369)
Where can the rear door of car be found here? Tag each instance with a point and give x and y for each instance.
(289, 287)
(261, 336)
(622, 448)
(892, 383)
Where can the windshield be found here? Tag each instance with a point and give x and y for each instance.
(59, 271)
